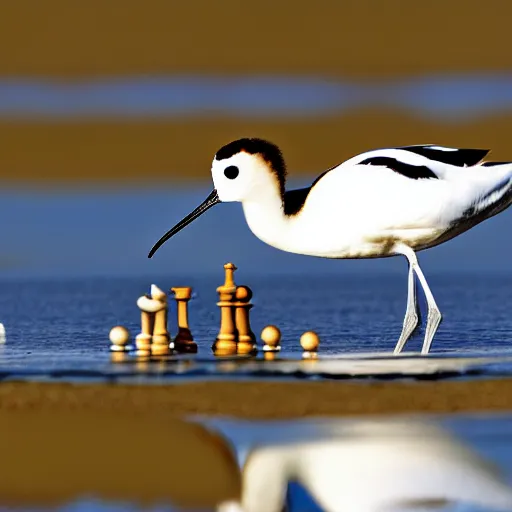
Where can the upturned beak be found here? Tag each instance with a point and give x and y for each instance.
(210, 201)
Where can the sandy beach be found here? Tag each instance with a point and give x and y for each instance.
(263, 400)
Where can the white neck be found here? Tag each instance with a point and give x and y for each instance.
(266, 219)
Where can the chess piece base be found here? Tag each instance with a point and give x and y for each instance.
(247, 347)
(143, 341)
(227, 347)
(224, 352)
(160, 350)
(120, 348)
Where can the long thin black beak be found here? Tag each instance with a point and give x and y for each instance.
(210, 201)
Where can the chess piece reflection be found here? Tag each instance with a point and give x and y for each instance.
(310, 341)
(160, 340)
(148, 307)
(271, 337)
(246, 338)
(226, 341)
(183, 342)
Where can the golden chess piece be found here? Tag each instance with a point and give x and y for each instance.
(271, 337)
(148, 307)
(246, 338)
(309, 342)
(161, 339)
(226, 340)
(119, 337)
(183, 342)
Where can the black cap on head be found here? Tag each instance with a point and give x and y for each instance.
(267, 150)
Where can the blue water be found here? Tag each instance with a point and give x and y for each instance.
(441, 96)
(350, 313)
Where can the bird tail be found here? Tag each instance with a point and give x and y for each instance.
(499, 196)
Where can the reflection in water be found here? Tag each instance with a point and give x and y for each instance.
(86, 460)
(370, 466)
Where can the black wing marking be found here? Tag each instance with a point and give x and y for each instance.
(492, 164)
(451, 156)
(414, 172)
(294, 200)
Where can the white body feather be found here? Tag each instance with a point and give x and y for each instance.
(362, 211)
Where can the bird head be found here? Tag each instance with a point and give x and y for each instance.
(241, 170)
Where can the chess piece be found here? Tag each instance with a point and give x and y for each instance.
(226, 340)
(246, 338)
(183, 342)
(271, 337)
(119, 337)
(148, 307)
(160, 342)
(310, 341)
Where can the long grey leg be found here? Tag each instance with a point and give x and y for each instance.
(434, 315)
(411, 315)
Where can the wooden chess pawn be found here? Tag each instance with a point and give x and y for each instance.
(271, 337)
(227, 337)
(160, 341)
(183, 342)
(119, 337)
(310, 341)
(148, 307)
(246, 338)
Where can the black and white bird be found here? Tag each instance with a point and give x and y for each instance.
(386, 202)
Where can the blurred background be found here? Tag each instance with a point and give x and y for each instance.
(111, 112)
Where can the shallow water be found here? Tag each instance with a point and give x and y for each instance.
(350, 313)
(63, 325)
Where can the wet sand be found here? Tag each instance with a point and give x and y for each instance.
(263, 400)
(352, 38)
(149, 152)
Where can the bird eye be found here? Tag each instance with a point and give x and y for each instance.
(231, 172)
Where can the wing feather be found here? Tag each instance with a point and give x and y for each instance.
(459, 157)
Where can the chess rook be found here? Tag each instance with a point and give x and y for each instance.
(183, 342)
(226, 341)
(148, 307)
(161, 338)
(246, 338)
(310, 341)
